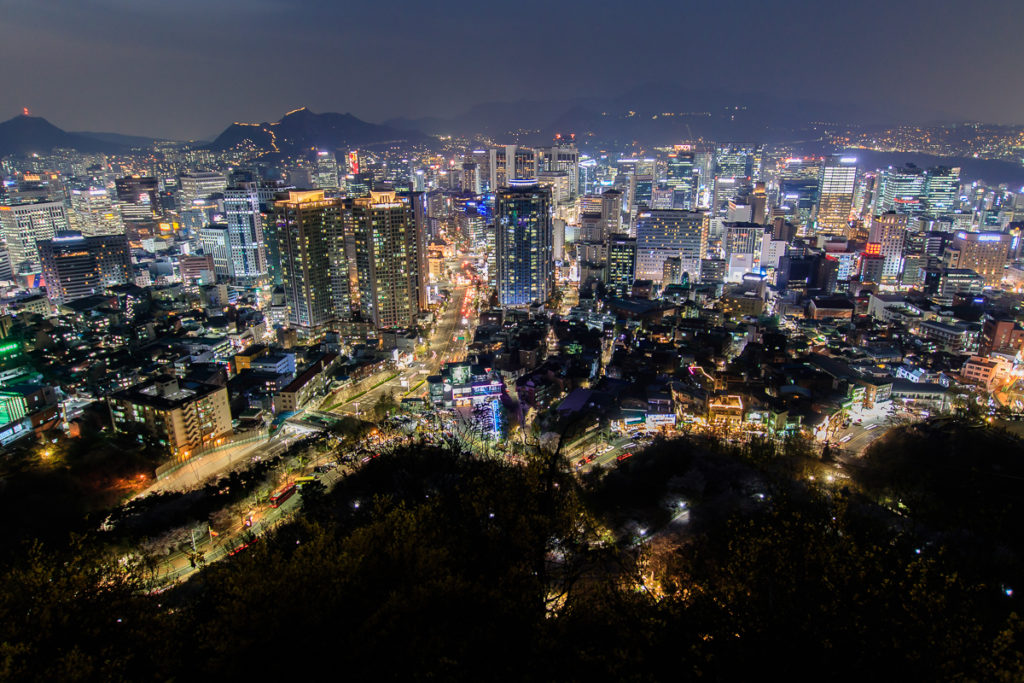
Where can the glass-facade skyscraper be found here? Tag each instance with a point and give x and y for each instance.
(523, 244)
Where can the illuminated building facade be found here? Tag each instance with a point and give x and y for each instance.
(835, 195)
(523, 244)
(75, 266)
(669, 233)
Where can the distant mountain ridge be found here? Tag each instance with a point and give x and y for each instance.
(300, 130)
(650, 114)
(32, 134)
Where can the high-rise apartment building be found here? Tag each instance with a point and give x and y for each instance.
(307, 227)
(523, 244)
(390, 258)
(75, 266)
(23, 225)
(667, 233)
(835, 195)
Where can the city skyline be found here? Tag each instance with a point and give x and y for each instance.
(111, 65)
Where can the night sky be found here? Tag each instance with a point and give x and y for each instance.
(187, 68)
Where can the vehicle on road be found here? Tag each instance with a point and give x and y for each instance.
(282, 494)
(624, 456)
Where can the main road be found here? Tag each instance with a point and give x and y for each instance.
(442, 347)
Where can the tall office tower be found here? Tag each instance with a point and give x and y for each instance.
(524, 163)
(588, 176)
(562, 156)
(901, 190)
(22, 225)
(93, 212)
(733, 171)
(798, 187)
(741, 238)
(470, 178)
(499, 165)
(591, 228)
(941, 190)
(664, 234)
(243, 210)
(835, 194)
(983, 252)
(621, 270)
(511, 162)
(199, 186)
(886, 239)
(306, 226)
(681, 177)
(590, 203)
(759, 202)
(641, 190)
(482, 159)
(557, 183)
(326, 174)
(523, 244)
(611, 212)
(75, 266)
(390, 258)
(216, 242)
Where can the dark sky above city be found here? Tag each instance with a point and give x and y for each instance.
(187, 68)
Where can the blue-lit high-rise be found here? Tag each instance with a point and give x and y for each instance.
(523, 244)
(247, 253)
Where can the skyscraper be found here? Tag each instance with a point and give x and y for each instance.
(611, 212)
(511, 162)
(326, 170)
(621, 270)
(562, 156)
(835, 194)
(197, 186)
(666, 233)
(75, 266)
(799, 181)
(243, 209)
(523, 244)
(93, 212)
(23, 225)
(216, 242)
(306, 225)
(887, 237)
(901, 189)
(941, 190)
(681, 177)
(390, 258)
